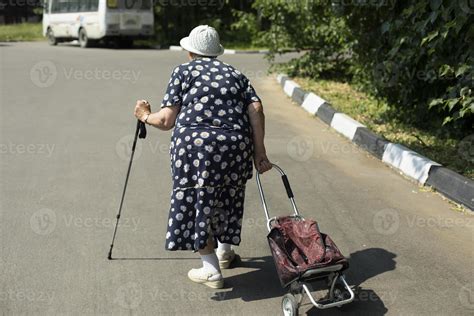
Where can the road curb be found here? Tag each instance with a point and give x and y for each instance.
(228, 51)
(412, 164)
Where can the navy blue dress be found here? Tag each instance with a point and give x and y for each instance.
(211, 153)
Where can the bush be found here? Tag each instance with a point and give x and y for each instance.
(174, 19)
(418, 56)
(309, 26)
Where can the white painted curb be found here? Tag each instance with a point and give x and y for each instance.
(280, 78)
(345, 125)
(226, 51)
(173, 47)
(409, 162)
(290, 87)
(312, 102)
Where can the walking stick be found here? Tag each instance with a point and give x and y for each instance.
(140, 132)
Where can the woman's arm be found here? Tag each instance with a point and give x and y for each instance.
(257, 121)
(163, 119)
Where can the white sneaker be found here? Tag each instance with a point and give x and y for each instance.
(225, 258)
(213, 280)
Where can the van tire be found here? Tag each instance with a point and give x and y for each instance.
(53, 41)
(84, 40)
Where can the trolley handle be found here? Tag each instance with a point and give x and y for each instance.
(289, 192)
(287, 186)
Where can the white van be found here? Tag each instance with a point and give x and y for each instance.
(117, 21)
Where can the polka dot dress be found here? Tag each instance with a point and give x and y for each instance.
(211, 153)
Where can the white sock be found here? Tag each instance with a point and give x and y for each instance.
(210, 263)
(222, 247)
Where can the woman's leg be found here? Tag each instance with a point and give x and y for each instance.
(210, 273)
(225, 254)
(210, 262)
(209, 247)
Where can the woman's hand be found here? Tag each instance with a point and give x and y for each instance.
(262, 164)
(142, 109)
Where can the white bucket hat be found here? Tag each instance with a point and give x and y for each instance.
(203, 40)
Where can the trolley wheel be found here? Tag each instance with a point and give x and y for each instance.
(51, 39)
(340, 293)
(289, 305)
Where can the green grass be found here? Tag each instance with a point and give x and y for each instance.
(371, 112)
(32, 32)
(21, 32)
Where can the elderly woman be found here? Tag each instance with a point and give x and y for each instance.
(218, 129)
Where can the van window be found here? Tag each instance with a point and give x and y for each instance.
(69, 6)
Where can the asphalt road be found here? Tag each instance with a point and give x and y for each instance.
(66, 124)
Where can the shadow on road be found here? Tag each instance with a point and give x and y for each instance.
(259, 284)
(363, 265)
(263, 282)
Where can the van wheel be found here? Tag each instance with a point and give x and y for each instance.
(84, 40)
(51, 39)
